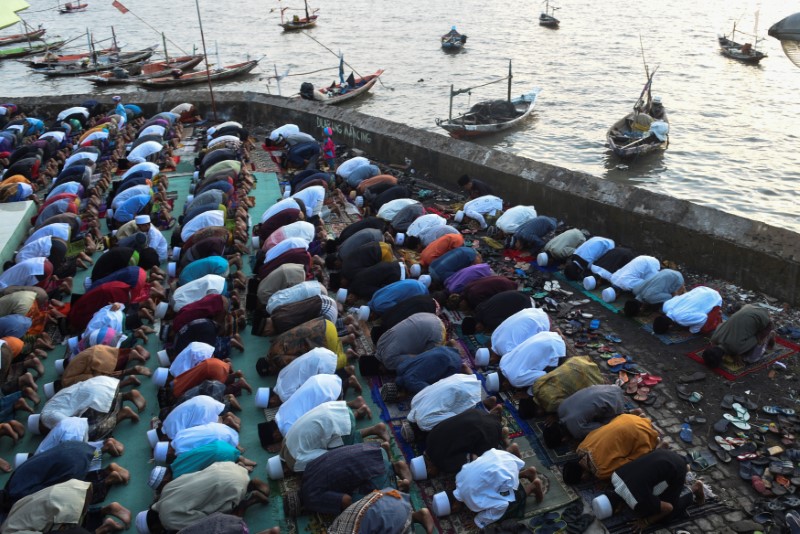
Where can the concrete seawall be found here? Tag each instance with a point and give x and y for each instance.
(748, 253)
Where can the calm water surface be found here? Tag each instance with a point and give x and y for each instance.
(734, 128)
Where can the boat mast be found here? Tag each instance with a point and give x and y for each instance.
(509, 80)
(450, 113)
(306, 4)
(164, 41)
(205, 54)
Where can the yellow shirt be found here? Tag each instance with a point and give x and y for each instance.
(621, 441)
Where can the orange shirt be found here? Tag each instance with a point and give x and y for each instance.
(375, 180)
(439, 247)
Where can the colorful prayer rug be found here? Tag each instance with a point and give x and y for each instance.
(734, 371)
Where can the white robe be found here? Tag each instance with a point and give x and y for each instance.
(144, 166)
(691, 309)
(194, 353)
(487, 485)
(23, 273)
(199, 410)
(197, 436)
(35, 249)
(285, 245)
(285, 204)
(510, 221)
(313, 197)
(518, 328)
(424, 222)
(448, 397)
(131, 192)
(61, 230)
(527, 361)
(296, 293)
(106, 318)
(315, 391)
(639, 269)
(204, 220)
(286, 129)
(97, 393)
(389, 210)
(157, 241)
(302, 229)
(347, 167)
(68, 429)
(317, 431)
(485, 205)
(593, 248)
(210, 284)
(317, 361)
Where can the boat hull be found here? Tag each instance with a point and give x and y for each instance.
(460, 127)
(187, 64)
(733, 50)
(548, 21)
(22, 37)
(200, 77)
(368, 82)
(626, 143)
(303, 24)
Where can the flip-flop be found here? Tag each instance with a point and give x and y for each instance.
(695, 419)
(650, 400)
(613, 338)
(632, 386)
(776, 410)
(641, 394)
(721, 455)
(741, 412)
(758, 485)
(651, 380)
(685, 433)
(580, 525)
(721, 425)
(792, 502)
(694, 377)
(616, 361)
(540, 520)
(781, 467)
(738, 423)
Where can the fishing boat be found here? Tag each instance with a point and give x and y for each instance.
(100, 64)
(137, 73)
(344, 91)
(223, 73)
(22, 37)
(490, 116)
(297, 23)
(642, 131)
(23, 51)
(69, 7)
(547, 17)
(53, 60)
(453, 41)
(744, 52)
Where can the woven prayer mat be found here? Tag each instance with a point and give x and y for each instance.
(561, 454)
(557, 495)
(674, 335)
(733, 371)
(596, 294)
(620, 523)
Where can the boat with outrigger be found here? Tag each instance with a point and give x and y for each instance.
(490, 116)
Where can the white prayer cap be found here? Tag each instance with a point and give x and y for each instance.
(416, 270)
(441, 504)
(359, 201)
(176, 253)
(275, 468)
(601, 507)
(110, 213)
(363, 313)
(589, 283)
(156, 476)
(161, 310)
(172, 269)
(542, 260)
(482, 357)
(656, 100)
(59, 364)
(262, 398)
(609, 295)
(418, 470)
(459, 216)
(492, 382)
(49, 390)
(152, 437)
(425, 279)
(87, 283)
(255, 240)
(142, 219)
(163, 358)
(33, 423)
(402, 270)
(341, 295)
(141, 522)
(160, 451)
(196, 175)
(399, 239)
(160, 377)
(20, 458)
(72, 343)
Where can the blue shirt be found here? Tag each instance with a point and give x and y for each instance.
(415, 374)
(387, 297)
(451, 262)
(199, 268)
(131, 208)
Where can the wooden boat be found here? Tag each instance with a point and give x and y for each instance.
(156, 69)
(72, 8)
(744, 52)
(22, 37)
(22, 51)
(298, 23)
(223, 73)
(453, 41)
(642, 131)
(490, 116)
(86, 66)
(547, 17)
(53, 59)
(339, 93)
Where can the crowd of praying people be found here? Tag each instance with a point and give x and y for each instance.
(375, 299)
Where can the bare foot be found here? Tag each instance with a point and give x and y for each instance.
(108, 525)
(364, 413)
(27, 380)
(142, 370)
(5, 466)
(113, 447)
(245, 386)
(22, 404)
(537, 490)
(699, 494)
(136, 398)
(127, 413)
(355, 384)
(123, 473)
(514, 449)
(31, 394)
(119, 511)
(234, 403)
(490, 402)
(423, 517)
(7, 430)
(129, 381)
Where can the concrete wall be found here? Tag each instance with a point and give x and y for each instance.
(751, 254)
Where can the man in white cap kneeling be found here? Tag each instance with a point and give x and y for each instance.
(490, 486)
(487, 205)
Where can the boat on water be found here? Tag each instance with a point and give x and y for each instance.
(52, 59)
(223, 73)
(338, 93)
(490, 116)
(99, 64)
(24, 51)
(453, 41)
(643, 130)
(299, 23)
(137, 73)
(547, 17)
(22, 37)
(69, 7)
(743, 52)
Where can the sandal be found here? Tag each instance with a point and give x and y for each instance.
(695, 419)
(613, 338)
(738, 423)
(632, 385)
(685, 433)
(758, 485)
(641, 396)
(651, 380)
(778, 410)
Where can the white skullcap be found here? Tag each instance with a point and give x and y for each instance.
(163, 358)
(33, 423)
(160, 451)
(141, 522)
(459, 216)
(142, 219)
(363, 313)
(492, 382)
(161, 310)
(172, 269)
(589, 283)
(341, 295)
(156, 476)
(416, 270)
(160, 376)
(482, 357)
(425, 279)
(262, 398)
(609, 295)
(601, 506)
(441, 504)
(542, 260)
(275, 468)
(49, 390)
(399, 239)
(418, 469)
